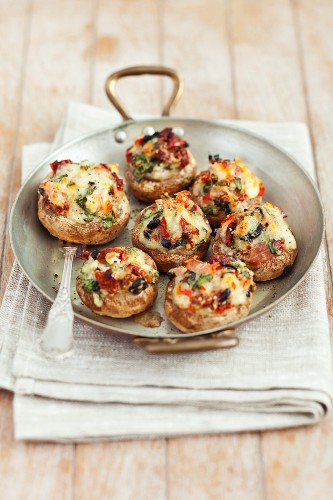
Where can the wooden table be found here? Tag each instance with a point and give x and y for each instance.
(248, 59)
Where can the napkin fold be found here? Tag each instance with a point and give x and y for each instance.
(279, 376)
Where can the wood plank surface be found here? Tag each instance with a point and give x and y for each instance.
(250, 59)
(122, 470)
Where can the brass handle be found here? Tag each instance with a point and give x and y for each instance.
(111, 82)
(220, 340)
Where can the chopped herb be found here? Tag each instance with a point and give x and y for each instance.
(210, 210)
(108, 220)
(81, 201)
(238, 183)
(206, 187)
(87, 283)
(169, 166)
(272, 248)
(187, 181)
(90, 190)
(58, 179)
(203, 278)
(142, 166)
(132, 251)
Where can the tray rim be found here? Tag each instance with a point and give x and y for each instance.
(125, 124)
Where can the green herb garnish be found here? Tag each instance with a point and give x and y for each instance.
(108, 220)
(238, 183)
(87, 283)
(58, 179)
(272, 248)
(203, 278)
(142, 166)
(81, 201)
(206, 187)
(210, 210)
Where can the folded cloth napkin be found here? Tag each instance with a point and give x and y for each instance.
(279, 376)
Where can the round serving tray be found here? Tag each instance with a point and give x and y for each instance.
(287, 186)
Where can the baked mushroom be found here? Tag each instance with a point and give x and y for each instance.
(227, 186)
(172, 230)
(261, 238)
(157, 164)
(82, 202)
(205, 295)
(117, 282)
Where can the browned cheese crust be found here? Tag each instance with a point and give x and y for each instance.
(91, 233)
(148, 190)
(171, 258)
(198, 321)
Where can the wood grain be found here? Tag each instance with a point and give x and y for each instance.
(127, 34)
(11, 74)
(267, 71)
(315, 24)
(196, 42)
(216, 467)
(121, 471)
(32, 471)
(299, 464)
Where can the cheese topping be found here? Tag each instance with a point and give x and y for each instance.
(158, 156)
(173, 223)
(226, 186)
(84, 192)
(262, 223)
(116, 270)
(214, 286)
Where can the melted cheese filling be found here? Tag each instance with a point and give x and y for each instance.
(173, 215)
(90, 191)
(119, 268)
(187, 294)
(229, 176)
(167, 167)
(274, 228)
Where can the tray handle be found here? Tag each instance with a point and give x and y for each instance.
(221, 340)
(111, 82)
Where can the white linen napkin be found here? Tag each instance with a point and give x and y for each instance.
(279, 376)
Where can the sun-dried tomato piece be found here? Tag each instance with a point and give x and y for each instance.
(163, 228)
(58, 164)
(229, 237)
(106, 281)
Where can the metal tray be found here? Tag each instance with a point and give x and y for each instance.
(287, 186)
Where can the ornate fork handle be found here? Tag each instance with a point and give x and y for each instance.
(57, 340)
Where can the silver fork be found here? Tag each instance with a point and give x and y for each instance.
(57, 338)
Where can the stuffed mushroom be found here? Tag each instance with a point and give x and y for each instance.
(83, 202)
(261, 238)
(157, 164)
(205, 295)
(172, 230)
(117, 282)
(227, 186)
